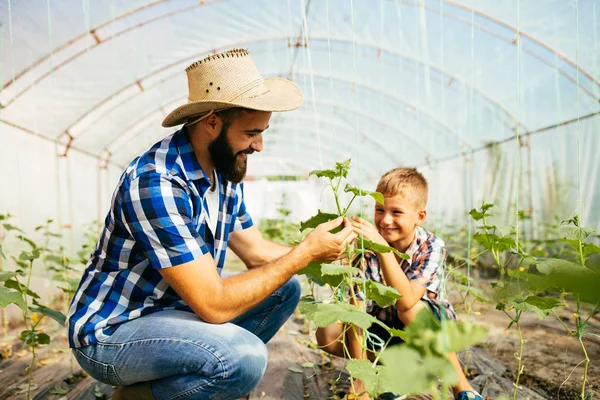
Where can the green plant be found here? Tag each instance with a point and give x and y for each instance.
(410, 368)
(512, 298)
(576, 237)
(281, 229)
(15, 289)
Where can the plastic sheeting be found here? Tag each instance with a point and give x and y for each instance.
(442, 85)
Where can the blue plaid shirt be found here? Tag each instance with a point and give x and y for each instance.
(158, 218)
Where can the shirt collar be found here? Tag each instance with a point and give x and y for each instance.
(414, 246)
(191, 166)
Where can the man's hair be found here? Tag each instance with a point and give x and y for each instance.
(406, 182)
(227, 116)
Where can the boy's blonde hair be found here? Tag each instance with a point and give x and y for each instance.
(407, 182)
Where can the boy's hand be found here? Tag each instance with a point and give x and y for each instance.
(368, 230)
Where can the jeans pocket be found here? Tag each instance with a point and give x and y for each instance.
(100, 371)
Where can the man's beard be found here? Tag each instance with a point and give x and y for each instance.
(226, 162)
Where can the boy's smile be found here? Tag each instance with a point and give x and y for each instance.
(396, 221)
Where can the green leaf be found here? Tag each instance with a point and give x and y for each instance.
(30, 256)
(28, 241)
(476, 292)
(313, 271)
(55, 315)
(491, 241)
(6, 275)
(8, 296)
(476, 215)
(539, 305)
(380, 248)
(554, 265)
(336, 269)
(42, 338)
(359, 192)
(341, 170)
(405, 371)
(575, 232)
(317, 220)
(590, 248)
(326, 314)
(13, 284)
(383, 295)
(573, 243)
(324, 173)
(10, 227)
(427, 334)
(364, 370)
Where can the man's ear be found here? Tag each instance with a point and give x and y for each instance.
(421, 217)
(213, 125)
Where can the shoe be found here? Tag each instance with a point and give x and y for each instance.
(138, 391)
(468, 395)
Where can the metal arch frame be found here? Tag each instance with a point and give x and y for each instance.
(109, 147)
(202, 3)
(108, 150)
(378, 145)
(137, 83)
(440, 124)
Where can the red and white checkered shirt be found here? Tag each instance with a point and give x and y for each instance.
(426, 266)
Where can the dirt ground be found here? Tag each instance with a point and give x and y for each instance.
(553, 361)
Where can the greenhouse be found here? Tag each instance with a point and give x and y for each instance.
(143, 139)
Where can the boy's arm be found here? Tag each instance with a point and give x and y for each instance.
(411, 290)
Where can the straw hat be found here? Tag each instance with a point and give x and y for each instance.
(230, 79)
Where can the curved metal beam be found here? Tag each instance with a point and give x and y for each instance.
(377, 145)
(440, 124)
(481, 27)
(109, 148)
(195, 56)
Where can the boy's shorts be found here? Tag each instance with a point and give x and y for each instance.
(392, 320)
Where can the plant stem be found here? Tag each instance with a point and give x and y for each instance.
(520, 357)
(335, 195)
(585, 369)
(349, 204)
(31, 371)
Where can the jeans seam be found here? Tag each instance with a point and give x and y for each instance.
(210, 350)
(106, 368)
(194, 390)
(266, 319)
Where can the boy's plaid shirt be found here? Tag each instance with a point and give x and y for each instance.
(158, 218)
(428, 262)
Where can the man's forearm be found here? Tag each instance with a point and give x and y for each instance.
(239, 293)
(269, 251)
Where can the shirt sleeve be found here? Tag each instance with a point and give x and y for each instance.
(158, 213)
(243, 219)
(428, 265)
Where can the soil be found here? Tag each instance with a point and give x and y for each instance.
(552, 363)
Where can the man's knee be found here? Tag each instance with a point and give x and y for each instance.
(291, 291)
(250, 366)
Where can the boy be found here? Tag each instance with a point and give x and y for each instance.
(398, 224)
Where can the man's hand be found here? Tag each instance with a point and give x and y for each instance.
(367, 230)
(323, 245)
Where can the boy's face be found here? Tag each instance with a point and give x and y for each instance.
(397, 219)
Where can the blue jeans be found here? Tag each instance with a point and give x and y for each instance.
(187, 358)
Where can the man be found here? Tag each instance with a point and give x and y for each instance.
(152, 314)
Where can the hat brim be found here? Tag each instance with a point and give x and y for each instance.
(282, 95)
